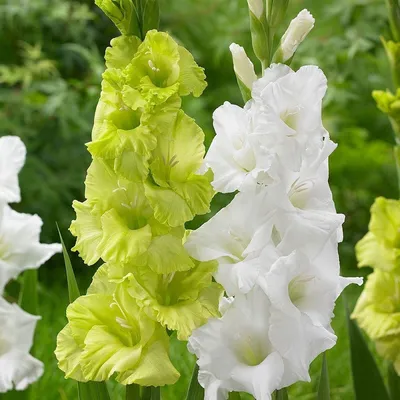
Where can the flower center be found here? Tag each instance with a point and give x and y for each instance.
(298, 288)
(290, 117)
(249, 350)
(299, 193)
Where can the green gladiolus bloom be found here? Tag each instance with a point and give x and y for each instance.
(378, 313)
(107, 334)
(380, 247)
(180, 301)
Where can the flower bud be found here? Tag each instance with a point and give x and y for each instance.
(123, 14)
(256, 7)
(298, 29)
(244, 69)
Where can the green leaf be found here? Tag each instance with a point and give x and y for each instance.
(323, 389)
(93, 391)
(282, 394)
(73, 289)
(28, 298)
(195, 392)
(367, 380)
(234, 396)
(394, 383)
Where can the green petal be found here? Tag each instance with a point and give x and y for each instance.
(166, 254)
(68, 354)
(385, 220)
(192, 77)
(155, 368)
(373, 253)
(389, 348)
(100, 283)
(182, 301)
(180, 150)
(197, 192)
(121, 52)
(377, 308)
(105, 353)
(169, 208)
(88, 231)
(119, 242)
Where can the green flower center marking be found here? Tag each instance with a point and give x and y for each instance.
(249, 350)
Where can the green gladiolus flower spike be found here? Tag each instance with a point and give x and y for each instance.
(380, 247)
(141, 188)
(107, 334)
(378, 313)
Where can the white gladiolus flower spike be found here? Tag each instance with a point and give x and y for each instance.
(18, 368)
(12, 159)
(297, 31)
(256, 7)
(244, 68)
(20, 247)
(235, 353)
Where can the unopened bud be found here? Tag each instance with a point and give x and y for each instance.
(256, 7)
(298, 29)
(244, 68)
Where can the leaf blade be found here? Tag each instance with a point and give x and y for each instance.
(367, 380)
(196, 391)
(323, 389)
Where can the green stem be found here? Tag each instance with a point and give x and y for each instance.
(132, 392)
(155, 393)
(146, 393)
(394, 383)
(394, 18)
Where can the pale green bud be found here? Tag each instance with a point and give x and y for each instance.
(256, 7)
(297, 31)
(244, 70)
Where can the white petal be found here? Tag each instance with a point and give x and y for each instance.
(18, 370)
(12, 158)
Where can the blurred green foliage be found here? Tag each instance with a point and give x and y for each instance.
(50, 72)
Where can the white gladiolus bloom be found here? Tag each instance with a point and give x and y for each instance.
(12, 158)
(244, 68)
(235, 353)
(272, 132)
(297, 31)
(20, 247)
(256, 7)
(18, 368)
(302, 296)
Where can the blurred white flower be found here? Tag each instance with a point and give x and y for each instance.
(20, 247)
(235, 353)
(12, 158)
(297, 31)
(244, 68)
(18, 368)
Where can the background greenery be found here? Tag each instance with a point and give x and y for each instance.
(50, 72)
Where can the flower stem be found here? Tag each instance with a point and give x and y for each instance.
(133, 392)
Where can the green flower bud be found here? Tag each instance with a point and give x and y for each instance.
(389, 104)
(124, 15)
(393, 54)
